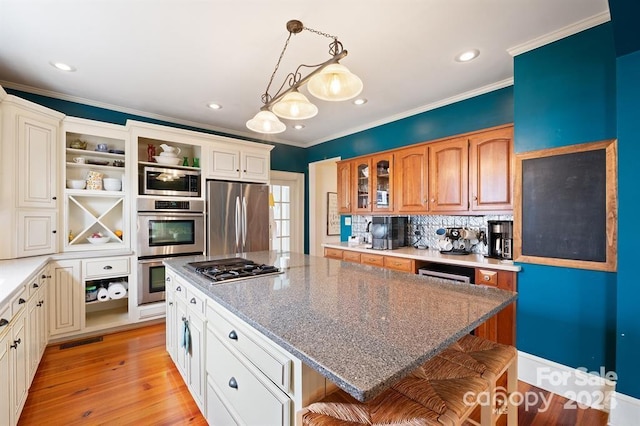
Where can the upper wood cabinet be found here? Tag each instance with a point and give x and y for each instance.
(491, 172)
(362, 185)
(382, 182)
(345, 186)
(411, 179)
(448, 175)
(468, 174)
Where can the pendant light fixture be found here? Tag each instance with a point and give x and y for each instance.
(329, 81)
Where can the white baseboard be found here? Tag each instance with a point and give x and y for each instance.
(625, 410)
(585, 388)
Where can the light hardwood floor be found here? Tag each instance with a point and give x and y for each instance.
(128, 378)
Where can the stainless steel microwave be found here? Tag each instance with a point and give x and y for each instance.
(172, 182)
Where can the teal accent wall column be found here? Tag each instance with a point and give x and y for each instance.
(565, 94)
(628, 313)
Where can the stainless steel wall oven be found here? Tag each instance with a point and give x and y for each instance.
(165, 228)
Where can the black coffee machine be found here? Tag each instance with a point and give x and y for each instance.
(388, 232)
(500, 239)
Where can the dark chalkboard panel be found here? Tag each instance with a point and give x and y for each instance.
(566, 206)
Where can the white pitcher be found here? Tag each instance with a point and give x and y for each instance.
(173, 150)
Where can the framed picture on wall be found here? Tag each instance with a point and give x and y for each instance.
(333, 218)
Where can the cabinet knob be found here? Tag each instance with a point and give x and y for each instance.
(54, 198)
(43, 276)
(21, 301)
(54, 231)
(178, 288)
(237, 170)
(486, 278)
(433, 200)
(168, 279)
(193, 301)
(15, 344)
(107, 267)
(3, 322)
(39, 304)
(244, 171)
(184, 319)
(170, 303)
(233, 335)
(233, 383)
(35, 285)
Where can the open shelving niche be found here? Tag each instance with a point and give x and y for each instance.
(111, 312)
(91, 211)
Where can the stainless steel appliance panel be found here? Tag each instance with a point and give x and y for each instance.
(170, 234)
(151, 281)
(238, 217)
(169, 182)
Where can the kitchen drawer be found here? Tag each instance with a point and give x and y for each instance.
(486, 277)
(180, 287)
(106, 267)
(217, 413)
(333, 253)
(372, 259)
(250, 394)
(351, 256)
(195, 300)
(274, 365)
(5, 317)
(400, 264)
(19, 300)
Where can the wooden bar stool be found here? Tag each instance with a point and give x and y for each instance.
(491, 360)
(438, 392)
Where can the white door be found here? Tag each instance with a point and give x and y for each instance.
(286, 211)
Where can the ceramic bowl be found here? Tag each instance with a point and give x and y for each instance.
(98, 240)
(111, 184)
(76, 183)
(174, 161)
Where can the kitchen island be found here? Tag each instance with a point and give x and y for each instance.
(359, 326)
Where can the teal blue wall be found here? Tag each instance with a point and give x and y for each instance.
(565, 94)
(628, 319)
(488, 110)
(283, 157)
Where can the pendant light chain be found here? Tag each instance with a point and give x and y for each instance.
(266, 97)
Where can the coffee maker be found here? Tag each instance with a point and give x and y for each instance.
(500, 239)
(388, 232)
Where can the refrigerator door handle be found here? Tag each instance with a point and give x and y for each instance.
(237, 223)
(244, 222)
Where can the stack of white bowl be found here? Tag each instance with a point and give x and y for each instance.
(169, 155)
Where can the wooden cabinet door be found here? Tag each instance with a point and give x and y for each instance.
(382, 182)
(345, 186)
(491, 173)
(411, 180)
(362, 177)
(501, 327)
(449, 175)
(37, 172)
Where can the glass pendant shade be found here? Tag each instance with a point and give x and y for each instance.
(266, 122)
(335, 83)
(295, 106)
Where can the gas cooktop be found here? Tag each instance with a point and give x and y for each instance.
(232, 269)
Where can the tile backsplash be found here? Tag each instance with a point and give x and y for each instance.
(426, 226)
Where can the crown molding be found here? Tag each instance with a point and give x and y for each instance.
(567, 31)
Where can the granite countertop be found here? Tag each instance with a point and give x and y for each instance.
(428, 255)
(360, 326)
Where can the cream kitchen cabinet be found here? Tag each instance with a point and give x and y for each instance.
(65, 297)
(5, 372)
(38, 320)
(251, 163)
(29, 193)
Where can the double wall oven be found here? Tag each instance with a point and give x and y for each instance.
(166, 228)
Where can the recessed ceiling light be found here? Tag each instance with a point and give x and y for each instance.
(62, 66)
(360, 101)
(468, 55)
(299, 126)
(214, 105)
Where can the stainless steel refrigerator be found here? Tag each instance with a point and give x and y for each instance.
(238, 217)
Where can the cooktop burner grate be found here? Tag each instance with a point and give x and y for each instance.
(232, 269)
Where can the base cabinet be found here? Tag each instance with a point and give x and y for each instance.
(501, 327)
(65, 297)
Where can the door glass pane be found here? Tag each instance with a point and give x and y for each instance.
(382, 183)
(363, 186)
(285, 194)
(281, 223)
(285, 229)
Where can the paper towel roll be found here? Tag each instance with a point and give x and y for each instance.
(103, 294)
(117, 290)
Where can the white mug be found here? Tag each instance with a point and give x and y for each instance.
(79, 160)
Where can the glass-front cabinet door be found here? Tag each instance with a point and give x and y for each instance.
(382, 183)
(362, 181)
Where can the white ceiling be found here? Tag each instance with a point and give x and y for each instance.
(167, 59)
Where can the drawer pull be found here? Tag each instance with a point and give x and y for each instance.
(39, 304)
(233, 335)
(178, 288)
(168, 279)
(486, 278)
(21, 301)
(107, 267)
(193, 300)
(170, 303)
(3, 322)
(233, 383)
(184, 319)
(35, 285)
(15, 344)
